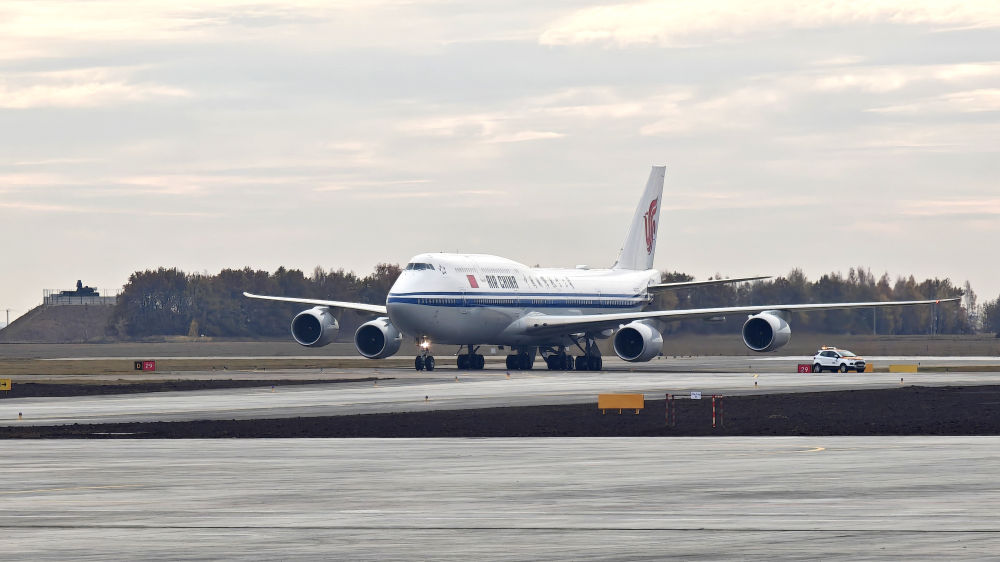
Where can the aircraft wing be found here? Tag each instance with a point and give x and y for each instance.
(690, 284)
(544, 324)
(377, 309)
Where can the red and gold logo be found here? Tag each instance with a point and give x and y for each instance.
(650, 218)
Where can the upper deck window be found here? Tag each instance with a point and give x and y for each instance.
(416, 265)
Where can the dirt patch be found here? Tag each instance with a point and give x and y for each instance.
(910, 410)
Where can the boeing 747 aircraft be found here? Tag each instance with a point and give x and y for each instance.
(471, 300)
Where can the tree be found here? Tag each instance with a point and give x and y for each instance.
(991, 316)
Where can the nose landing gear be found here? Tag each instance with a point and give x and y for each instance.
(425, 360)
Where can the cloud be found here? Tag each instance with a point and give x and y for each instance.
(361, 184)
(883, 79)
(28, 206)
(692, 22)
(42, 162)
(717, 201)
(972, 101)
(952, 207)
(845, 60)
(382, 194)
(89, 87)
(522, 136)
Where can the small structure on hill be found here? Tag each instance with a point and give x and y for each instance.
(82, 295)
(80, 291)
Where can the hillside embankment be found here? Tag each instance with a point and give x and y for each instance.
(60, 324)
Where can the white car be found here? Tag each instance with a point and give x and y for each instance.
(833, 359)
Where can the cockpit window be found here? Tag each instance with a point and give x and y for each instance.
(415, 265)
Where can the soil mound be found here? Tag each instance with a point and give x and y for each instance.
(60, 324)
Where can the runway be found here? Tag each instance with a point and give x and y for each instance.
(503, 499)
(448, 389)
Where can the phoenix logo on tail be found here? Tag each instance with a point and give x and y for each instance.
(650, 219)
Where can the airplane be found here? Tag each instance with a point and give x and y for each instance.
(471, 300)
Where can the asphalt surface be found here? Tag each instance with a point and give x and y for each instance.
(503, 499)
(449, 389)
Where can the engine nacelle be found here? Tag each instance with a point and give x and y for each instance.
(766, 331)
(638, 341)
(378, 339)
(315, 327)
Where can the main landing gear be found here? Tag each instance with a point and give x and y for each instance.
(471, 361)
(425, 360)
(522, 360)
(559, 360)
(591, 360)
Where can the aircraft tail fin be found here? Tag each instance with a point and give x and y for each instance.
(640, 241)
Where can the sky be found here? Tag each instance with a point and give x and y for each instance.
(823, 135)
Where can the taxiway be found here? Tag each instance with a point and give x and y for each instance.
(503, 499)
(447, 389)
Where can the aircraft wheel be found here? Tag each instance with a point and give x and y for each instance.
(418, 363)
(463, 362)
(551, 362)
(581, 363)
(429, 363)
(568, 362)
(478, 362)
(524, 361)
(512, 362)
(595, 363)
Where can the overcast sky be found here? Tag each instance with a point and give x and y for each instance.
(823, 135)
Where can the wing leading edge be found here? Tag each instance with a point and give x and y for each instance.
(374, 308)
(541, 324)
(691, 284)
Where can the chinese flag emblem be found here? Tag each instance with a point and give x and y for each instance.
(472, 281)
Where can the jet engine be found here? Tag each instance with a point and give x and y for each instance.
(766, 331)
(638, 341)
(378, 339)
(315, 327)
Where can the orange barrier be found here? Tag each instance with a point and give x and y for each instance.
(620, 402)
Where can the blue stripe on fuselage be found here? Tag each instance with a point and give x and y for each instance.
(474, 292)
(565, 302)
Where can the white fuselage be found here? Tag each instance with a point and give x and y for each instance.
(461, 299)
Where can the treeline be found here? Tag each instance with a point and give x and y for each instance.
(169, 302)
(166, 302)
(859, 285)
